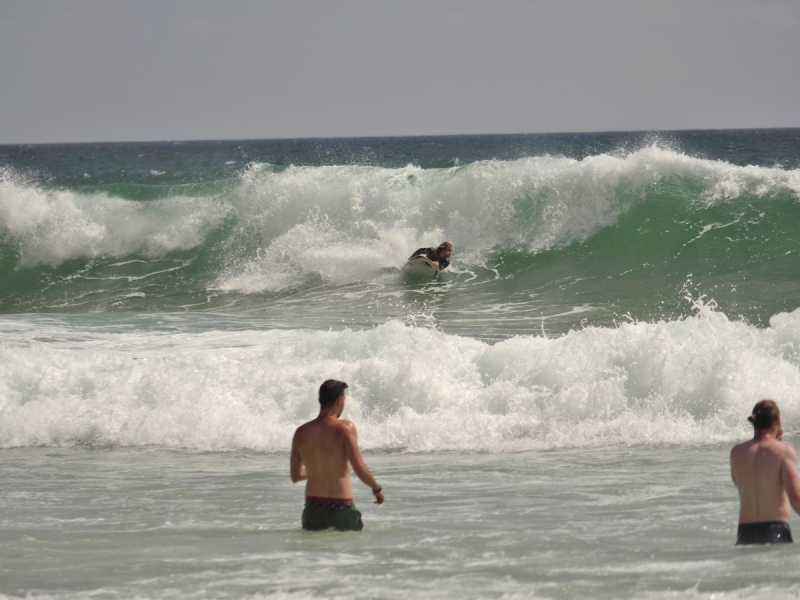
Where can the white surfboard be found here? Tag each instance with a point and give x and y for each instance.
(420, 266)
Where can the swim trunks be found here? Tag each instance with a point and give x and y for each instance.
(768, 532)
(339, 513)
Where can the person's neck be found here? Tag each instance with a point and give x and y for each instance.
(764, 434)
(326, 413)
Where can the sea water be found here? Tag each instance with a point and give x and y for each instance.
(550, 417)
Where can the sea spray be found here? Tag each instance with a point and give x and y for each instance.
(687, 382)
(608, 234)
(538, 201)
(533, 204)
(52, 226)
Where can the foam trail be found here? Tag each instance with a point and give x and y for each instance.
(687, 382)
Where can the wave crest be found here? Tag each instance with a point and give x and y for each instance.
(53, 226)
(323, 219)
(691, 382)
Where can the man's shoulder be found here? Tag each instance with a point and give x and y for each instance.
(305, 428)
(345, 425)
(778, 447)
(788, 450)
(745, 452)
(298, 433)
(739, 448)
(777, 450)
(328, 424)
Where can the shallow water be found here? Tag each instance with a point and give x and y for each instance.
(611, 523)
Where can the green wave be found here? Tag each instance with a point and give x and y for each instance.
(601, 240)
(742, 253)
(177, 280)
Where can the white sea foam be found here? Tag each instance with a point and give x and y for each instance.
(349, 222)
(53, 226)
(684, 382)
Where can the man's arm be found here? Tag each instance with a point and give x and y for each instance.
(359, 466)
(789, 478)
(297, 469)
(430, 254)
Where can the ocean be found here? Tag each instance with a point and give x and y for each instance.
(550, 417)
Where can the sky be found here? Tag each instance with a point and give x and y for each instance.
(148, 70)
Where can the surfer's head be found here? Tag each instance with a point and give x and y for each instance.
(765, 413)
(444, 250)
(330, 391)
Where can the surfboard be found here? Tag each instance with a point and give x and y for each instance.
(420, 266)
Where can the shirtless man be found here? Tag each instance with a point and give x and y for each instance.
(765, 473)
(322, 452)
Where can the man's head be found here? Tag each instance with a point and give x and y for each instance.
(330, 391)
(765, 414)
(444, 250)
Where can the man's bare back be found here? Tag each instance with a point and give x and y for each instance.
(324, 446)
(323, 452)
(763, 470)
(765, 474)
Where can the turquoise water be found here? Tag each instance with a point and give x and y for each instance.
(553, 231)
(550, 416)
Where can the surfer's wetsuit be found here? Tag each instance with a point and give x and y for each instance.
(339, 513)
(430, 254)
(768, 532)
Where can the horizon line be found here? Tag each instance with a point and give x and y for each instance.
(419, 136)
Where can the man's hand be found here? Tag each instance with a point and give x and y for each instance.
(379, 498)
(436, 262)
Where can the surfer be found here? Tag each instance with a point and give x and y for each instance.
(764, 471)
(322, 452)
(438, 256)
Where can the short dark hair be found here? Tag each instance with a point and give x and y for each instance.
(764, 414)
(330, 391)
